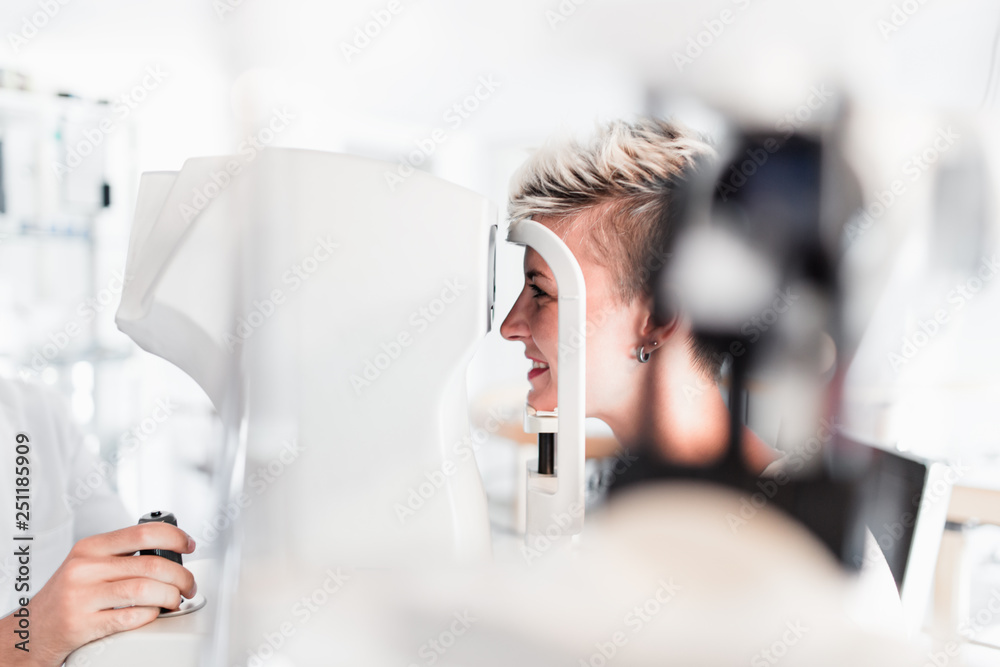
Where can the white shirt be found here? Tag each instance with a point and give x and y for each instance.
(69, 498)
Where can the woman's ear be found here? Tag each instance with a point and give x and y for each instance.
(658, 324)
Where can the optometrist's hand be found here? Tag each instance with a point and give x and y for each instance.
(100, 589)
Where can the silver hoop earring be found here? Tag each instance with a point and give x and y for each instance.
(642, 355)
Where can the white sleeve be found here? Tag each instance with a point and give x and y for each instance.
(70, 497)
(96, 507)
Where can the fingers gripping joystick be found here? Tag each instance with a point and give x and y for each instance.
(187, 605)
(164, 517)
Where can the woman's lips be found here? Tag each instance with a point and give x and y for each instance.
(535, 372)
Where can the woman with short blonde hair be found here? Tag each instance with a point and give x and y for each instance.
(612, 199)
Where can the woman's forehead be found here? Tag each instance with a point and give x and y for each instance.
(574, 240)
(534, 261)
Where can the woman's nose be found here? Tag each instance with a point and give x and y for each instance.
(515, 326)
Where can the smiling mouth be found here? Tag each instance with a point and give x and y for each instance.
(537, 368)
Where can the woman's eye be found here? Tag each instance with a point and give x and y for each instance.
(537, 290)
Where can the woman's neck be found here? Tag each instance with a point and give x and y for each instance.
(680, 410)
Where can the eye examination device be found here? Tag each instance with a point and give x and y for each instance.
(555, 492)
(331, 314)
(330, 318)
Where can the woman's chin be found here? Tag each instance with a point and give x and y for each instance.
(543, 401)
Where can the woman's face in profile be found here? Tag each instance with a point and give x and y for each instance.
(612, 330)
(533, 320)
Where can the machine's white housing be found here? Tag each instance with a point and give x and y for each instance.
(330, 314)
(555, 503)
